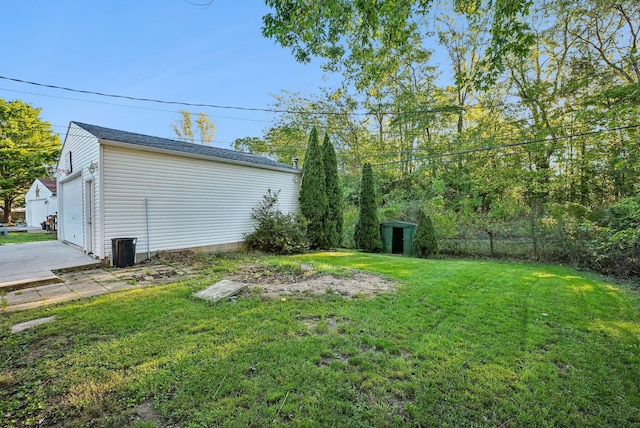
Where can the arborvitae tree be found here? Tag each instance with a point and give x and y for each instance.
(333, 221)
(367, 233)
(425, 241)
(313, 192)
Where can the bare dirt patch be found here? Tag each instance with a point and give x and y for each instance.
(147, 413)
(306, 282)
(49, 346)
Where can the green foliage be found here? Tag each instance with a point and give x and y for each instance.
(368, 41)
(367, 231)
(334, 219)
(27, 146)
(253, 145)
(425, 241)
(618, 253)
(503, 182)
(313, 193)
(277, 232)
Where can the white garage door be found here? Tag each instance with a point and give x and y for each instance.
(71, 214)
(37, 212)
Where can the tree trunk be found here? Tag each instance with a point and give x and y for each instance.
(6, 217)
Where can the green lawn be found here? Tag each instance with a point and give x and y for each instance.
(21, 237)
(462, 343)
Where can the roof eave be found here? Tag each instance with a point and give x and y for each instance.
(133, 146)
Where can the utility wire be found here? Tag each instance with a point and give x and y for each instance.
(130, 106)
(504, 146)
(444, 109)
(153, 100)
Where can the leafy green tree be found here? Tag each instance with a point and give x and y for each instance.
(367, 232)
(333, 221)
(313, 193)
(27, 146)
(253, 145)
(184, 128)
(366, 39)
(425, 241)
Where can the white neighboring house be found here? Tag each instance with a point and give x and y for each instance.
(170, 195)
(41, 201)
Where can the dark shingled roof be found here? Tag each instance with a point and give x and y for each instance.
(180, 146)
(50, 184)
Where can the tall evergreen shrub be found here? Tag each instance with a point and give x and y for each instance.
(333, 221)
(367, 233)
(313, 192)
(425, 241)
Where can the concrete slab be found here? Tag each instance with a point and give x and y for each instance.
(32, 263)
(53, 290)
(100, 276)
(117, 286)
(17, 328)
(220, 290)
(21, 296)
(86, 285)
(76, 285)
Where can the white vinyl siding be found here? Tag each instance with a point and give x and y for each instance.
(72, 221)
(191, 202)
(40, 204)
(84, 148)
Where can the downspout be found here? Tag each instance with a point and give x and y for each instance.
(146, 213)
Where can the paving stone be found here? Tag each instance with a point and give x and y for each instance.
(47, 291)
(124, 273)
(73, 276)
(117, 286)
(220, 290)
(25, 306)
(22, 296)
(96, 271)
(92, 292)
(101, 276)
(85, 285)
(16, 328)
(91, 282)
(60, 298)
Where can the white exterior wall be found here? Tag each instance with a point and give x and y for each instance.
(38, 208)
(192, 202)
(84, 149)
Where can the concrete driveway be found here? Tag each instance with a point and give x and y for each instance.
(23, 265)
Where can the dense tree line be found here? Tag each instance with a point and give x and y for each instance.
(541, 161)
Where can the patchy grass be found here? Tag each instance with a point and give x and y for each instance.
(462, 343)
(22, 237)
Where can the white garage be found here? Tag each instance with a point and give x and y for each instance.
(71, 202)
(41, 201)
(115, 184)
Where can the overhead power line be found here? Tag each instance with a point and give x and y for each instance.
(444, 109)
(129, 106)
(153, 100)
(503, 146)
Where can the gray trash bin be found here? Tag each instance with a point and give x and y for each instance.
(123, 251)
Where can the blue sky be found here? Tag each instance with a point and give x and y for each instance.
(169, 50)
